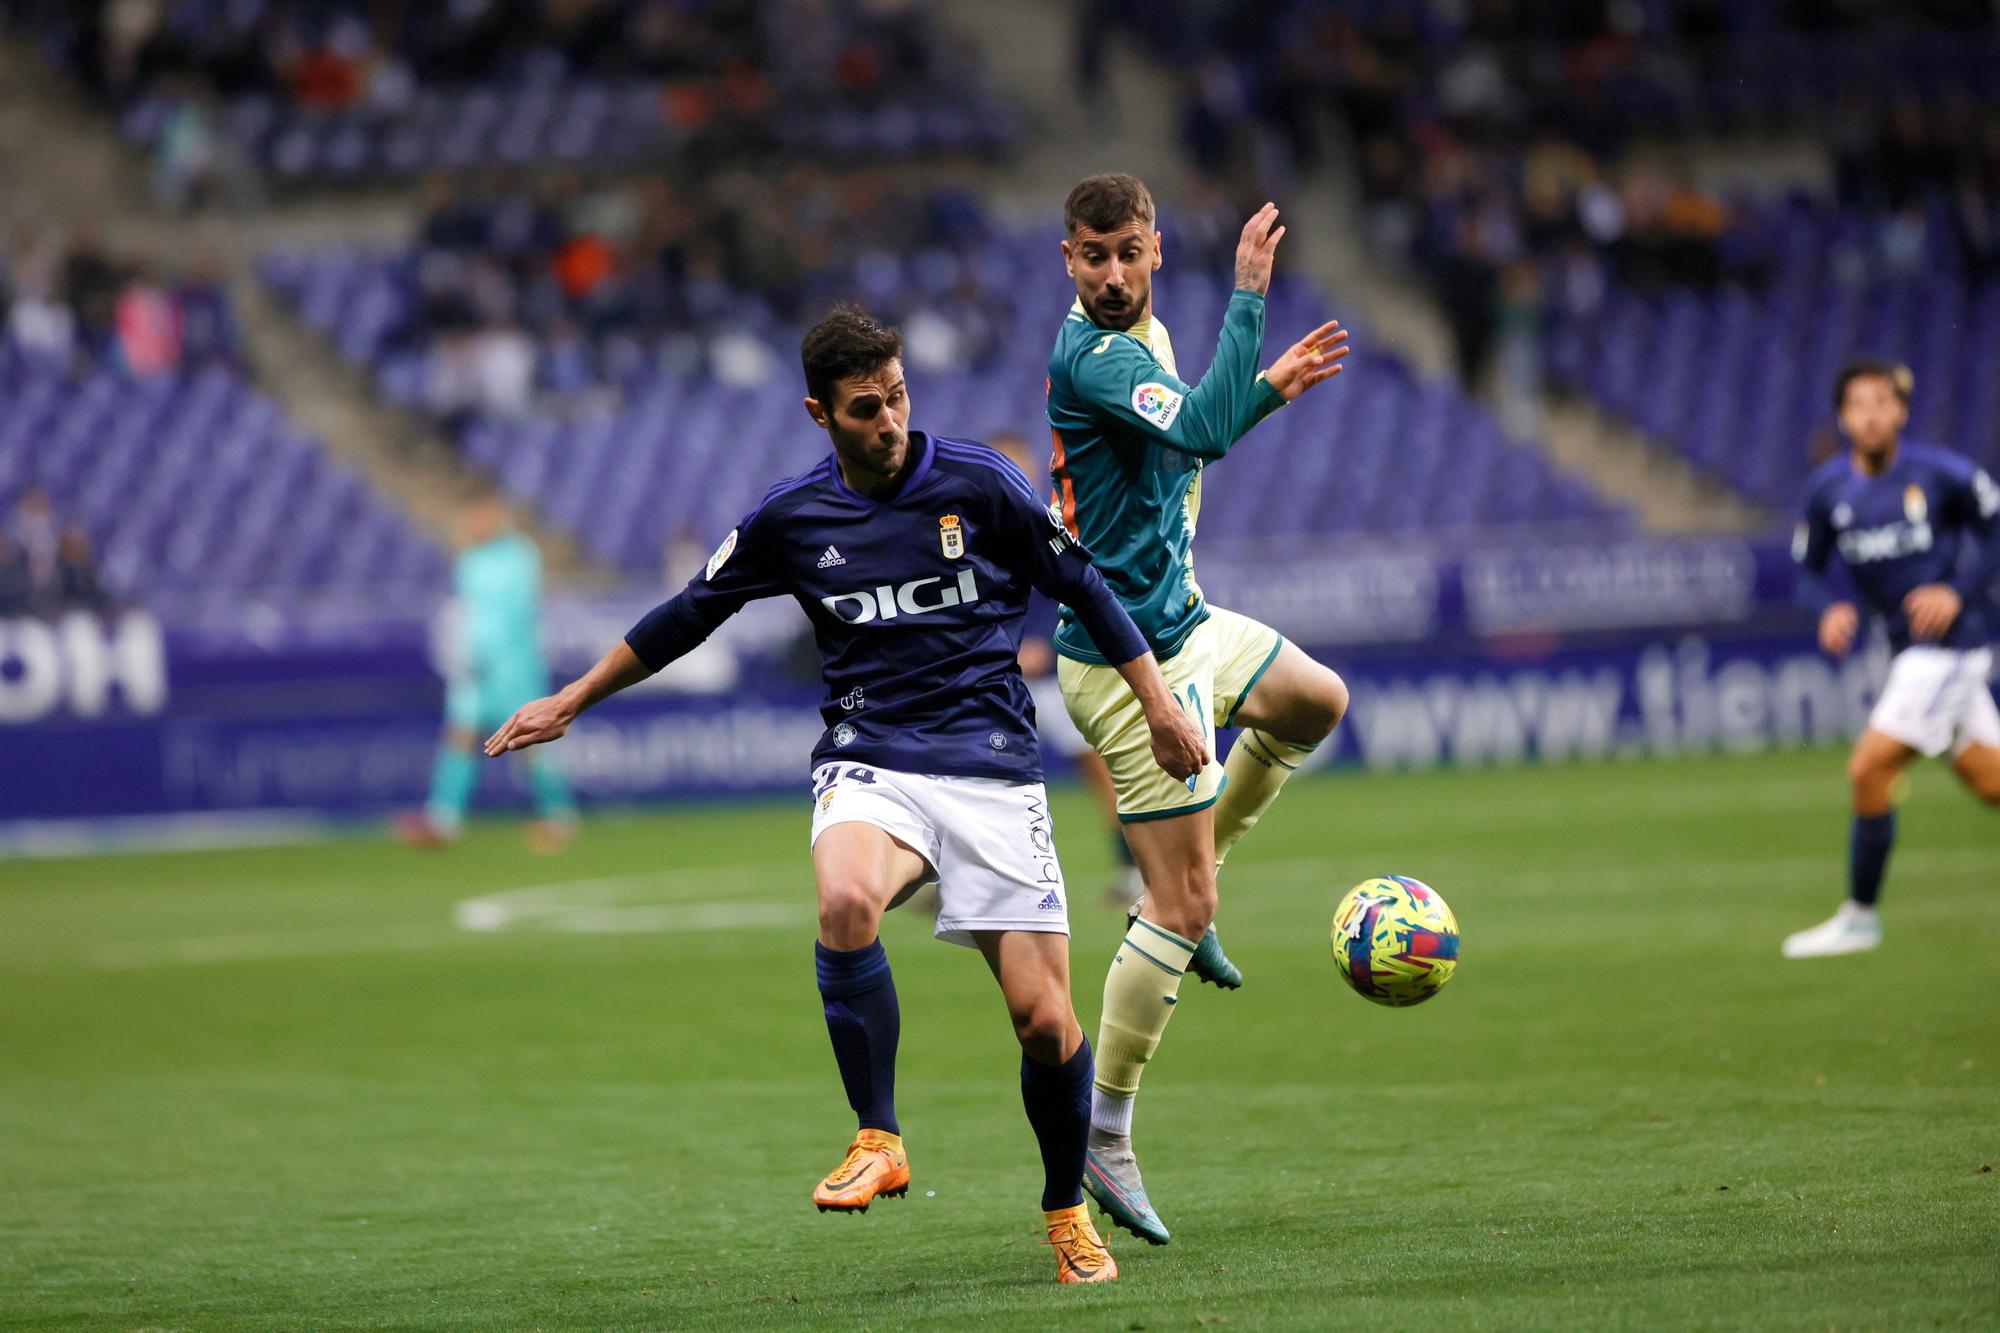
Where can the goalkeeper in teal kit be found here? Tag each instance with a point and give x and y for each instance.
(493, 664)
(1131, 442)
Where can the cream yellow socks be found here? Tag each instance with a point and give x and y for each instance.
(1255, 770)
(1139, 996)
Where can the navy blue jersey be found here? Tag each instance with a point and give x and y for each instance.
(917, 601)
(1904, 529)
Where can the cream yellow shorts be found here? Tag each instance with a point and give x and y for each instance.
(1211, 675)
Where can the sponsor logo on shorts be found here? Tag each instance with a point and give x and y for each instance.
(1042, 846)
(1051, 903)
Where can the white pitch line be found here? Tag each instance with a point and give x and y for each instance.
(649, 905)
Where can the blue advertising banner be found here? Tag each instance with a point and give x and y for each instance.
(1497, 657)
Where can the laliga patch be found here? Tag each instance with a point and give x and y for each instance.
(1915, 507)
(951, 536)
(721, 556)
(1157, 403)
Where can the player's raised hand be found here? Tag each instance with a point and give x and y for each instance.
(1836, 628)
(1931, 609)
(537, 722)
(1313, 359)
(1178, 743)
(1257, 249)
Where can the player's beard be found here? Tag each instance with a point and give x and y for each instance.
(877, 457)
(1124, 317)
(1875, 457)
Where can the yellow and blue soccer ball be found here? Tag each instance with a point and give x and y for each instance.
(1395, 940)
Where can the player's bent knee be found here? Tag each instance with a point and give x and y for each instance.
(1870, 778)
(1043, 1026)
(1334, 701)
(1318, 710)
(848, 914)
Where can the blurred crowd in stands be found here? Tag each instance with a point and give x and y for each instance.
(1511, 150)
(526, 292)
(47, 566)
(68, 300)
(338, 55)
(227, 92)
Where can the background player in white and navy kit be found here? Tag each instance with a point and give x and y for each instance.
(1898, 515)
(914, 556)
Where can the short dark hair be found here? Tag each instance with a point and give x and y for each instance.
(845, 344)
(1107, 202)
(1899, 377)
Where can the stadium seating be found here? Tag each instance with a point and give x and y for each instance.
(347, 92)
(196, 488)
(685, 454)
(1739, 381)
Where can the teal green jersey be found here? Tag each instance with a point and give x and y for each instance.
(499, 586)
(1130, 442)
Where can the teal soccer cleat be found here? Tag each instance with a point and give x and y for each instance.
(1111, 1177)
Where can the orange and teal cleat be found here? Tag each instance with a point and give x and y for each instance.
(1080, 1252)
(875, 1167)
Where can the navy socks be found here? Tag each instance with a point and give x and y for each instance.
(1868, 856)
(1057, 1098)
(864, 1022)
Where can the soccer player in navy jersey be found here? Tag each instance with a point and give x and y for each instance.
(1898, 515)
(913, 555)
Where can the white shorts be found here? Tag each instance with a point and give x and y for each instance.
(1936, 699)
(990, 845)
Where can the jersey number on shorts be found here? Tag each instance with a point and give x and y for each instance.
(831, 778)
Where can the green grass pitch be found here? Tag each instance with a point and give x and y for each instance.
(283, 1088)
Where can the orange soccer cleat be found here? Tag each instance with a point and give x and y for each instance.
(1080, 1252)
(875, 1167)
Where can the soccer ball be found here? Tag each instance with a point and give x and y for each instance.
(1395, 940)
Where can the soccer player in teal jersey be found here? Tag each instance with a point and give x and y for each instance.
(1131, 442)
(494, 665)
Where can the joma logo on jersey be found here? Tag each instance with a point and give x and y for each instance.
(915, 598)
(1892, 541)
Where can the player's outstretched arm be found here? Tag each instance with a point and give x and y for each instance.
(547, 719)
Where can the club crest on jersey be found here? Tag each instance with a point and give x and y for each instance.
(722, 554)
(1156, 403)
(951, 536)
(1915, 507)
